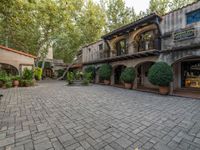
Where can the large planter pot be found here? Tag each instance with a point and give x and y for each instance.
(127, 85)
(15, 83)
(106, 82)
(164, 90)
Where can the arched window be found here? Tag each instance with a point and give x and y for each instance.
(121, 47)
(146, 40)
(9, 69)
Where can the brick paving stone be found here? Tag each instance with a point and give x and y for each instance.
(43, 145)
(6, 141)
(123, 142)
(54, 116)
(22, 134)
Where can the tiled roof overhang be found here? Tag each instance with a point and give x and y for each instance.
(16, 51)
(152, 18)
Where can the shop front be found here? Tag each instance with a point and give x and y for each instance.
(187, 77)
(190, 74)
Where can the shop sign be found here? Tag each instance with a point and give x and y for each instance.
(185, 34)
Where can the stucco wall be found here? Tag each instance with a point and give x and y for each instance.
(15, 59)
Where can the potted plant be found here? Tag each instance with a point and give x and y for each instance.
(15, 80)
(105, 72)
(86, 78)
(128, 77)
(161, 74)
(70, 78)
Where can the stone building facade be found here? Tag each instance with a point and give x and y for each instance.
(14, 61)
(173, 38)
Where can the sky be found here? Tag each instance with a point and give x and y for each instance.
(138, 5)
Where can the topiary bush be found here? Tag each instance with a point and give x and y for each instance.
(92, 70)
(38, 73)
(160, 74)
(105, 72)
(128, 75)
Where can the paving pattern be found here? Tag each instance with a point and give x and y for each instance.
(54, 116)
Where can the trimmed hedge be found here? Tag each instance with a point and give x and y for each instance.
(128, 75)
(105, 72)
(160, 74)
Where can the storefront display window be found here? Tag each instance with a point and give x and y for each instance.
(190, 74)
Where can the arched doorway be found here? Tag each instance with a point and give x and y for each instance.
(142, 75)
(9, 69)
(48, 73)
(117, 73)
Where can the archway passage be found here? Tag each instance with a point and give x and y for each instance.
(187, 77)
(11, 70)
(142, 76)
(117, 73)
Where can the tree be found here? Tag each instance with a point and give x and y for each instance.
(91, 22)
(117, 14)
(175, 4)
(158, 6)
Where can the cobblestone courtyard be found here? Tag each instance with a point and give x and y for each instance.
(55, 116)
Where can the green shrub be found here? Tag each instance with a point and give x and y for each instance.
(60, 72)
(160, 74)
(8, 84)
(13, 78)
(128, 75)
(3, 76)
(105, 72)
(78, 75)
(87, 77)
(38, 73)
(27, 74)
(90, 69)
(70, 78)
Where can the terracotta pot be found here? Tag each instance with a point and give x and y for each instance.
(106, 82)
(15, 83)
(164, 90)
(127, 85)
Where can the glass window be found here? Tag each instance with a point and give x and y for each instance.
(121, 47)
(193, 17)
(100, 46)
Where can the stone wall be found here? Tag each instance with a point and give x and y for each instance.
(176, 21)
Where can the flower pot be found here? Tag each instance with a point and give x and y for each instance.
(15, 83)
(106, 82)
(127, 85)
(164, 90)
